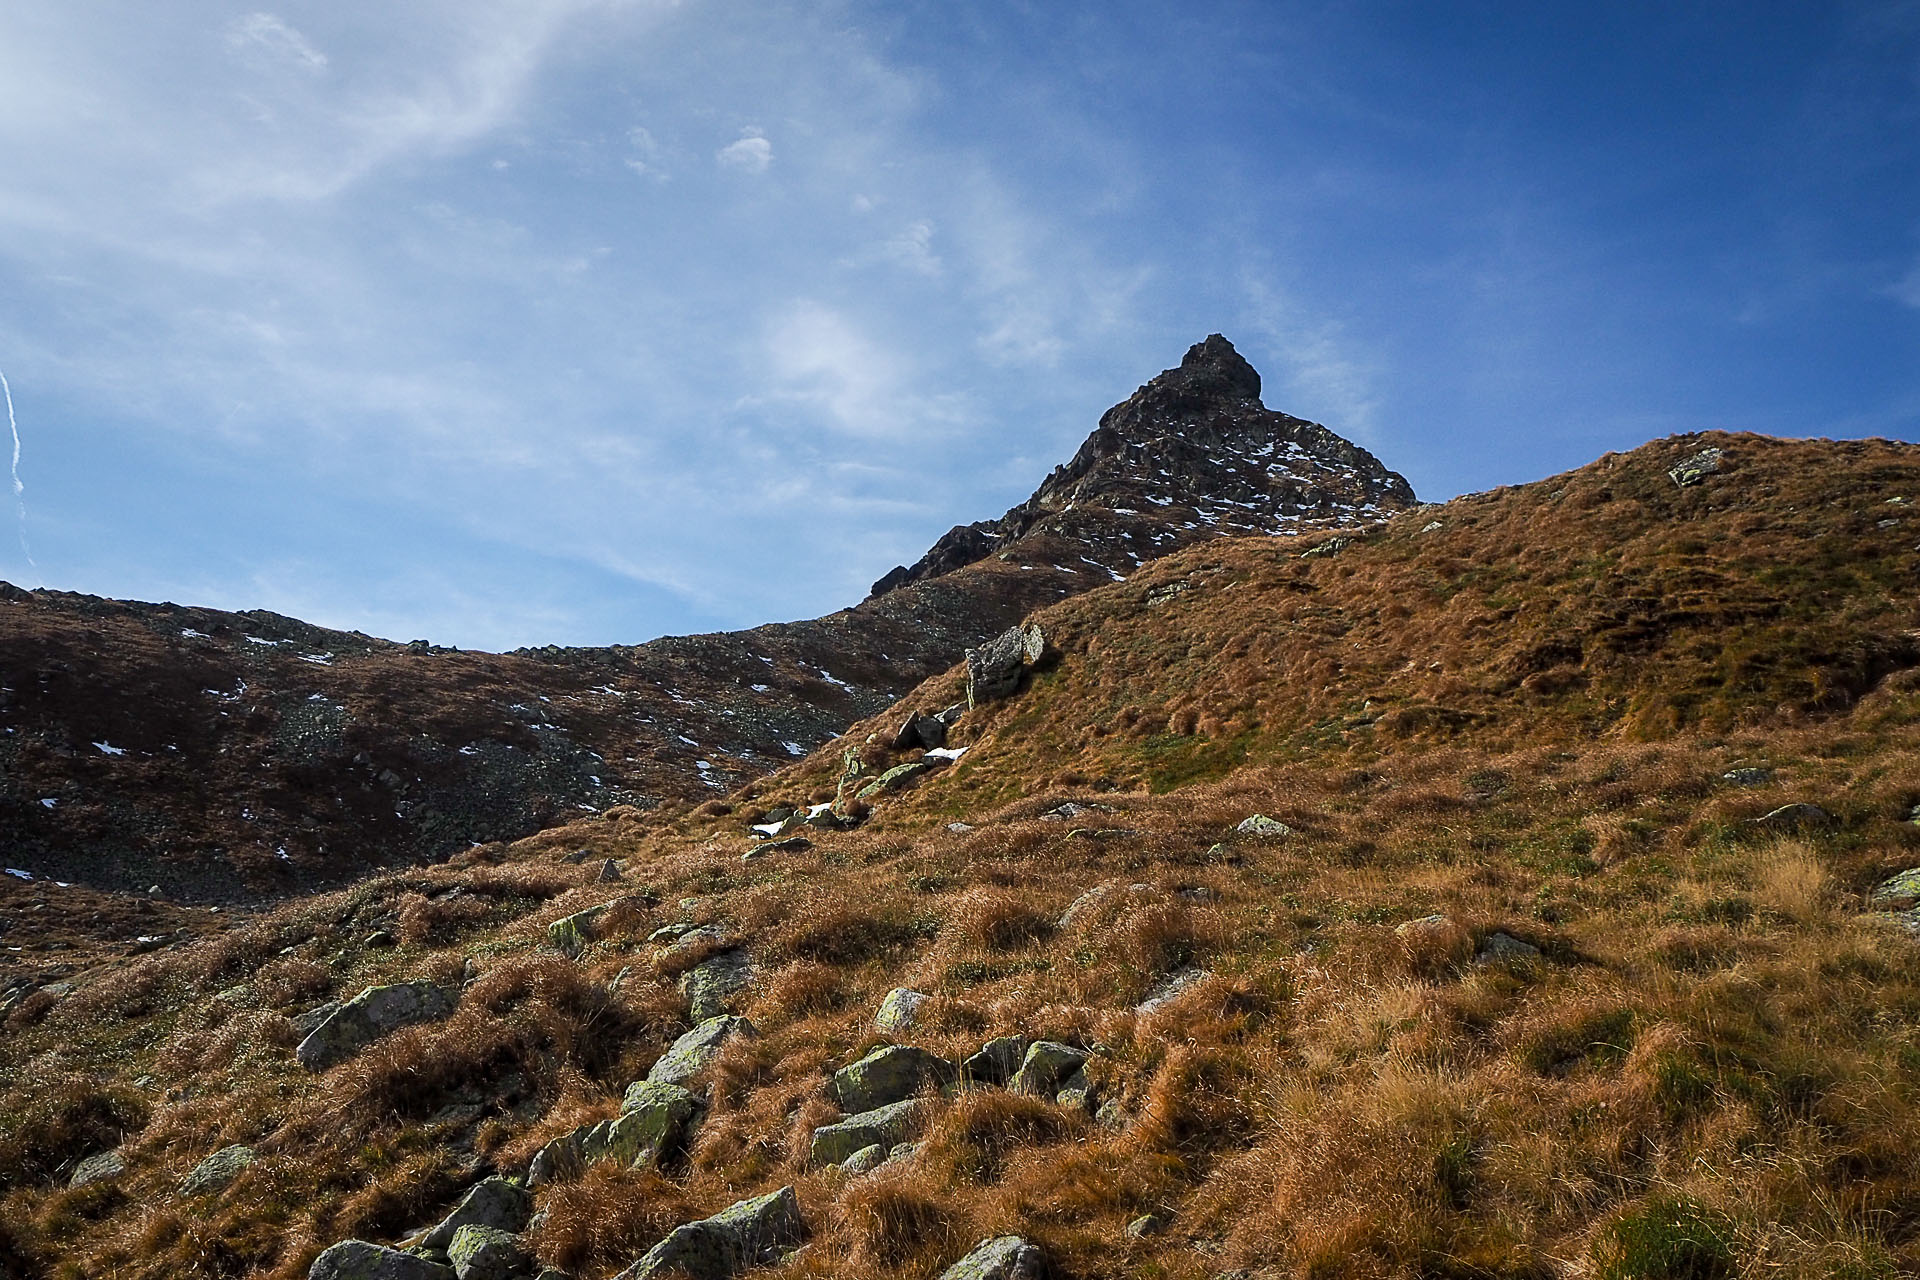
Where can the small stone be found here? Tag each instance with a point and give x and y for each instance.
(1147, 1224)
(1002, 1258)
(574, 934)
(672, 932)
(1791, 817)
(960, 828)
(1898, 890)
(893, 779)
(890, 1073)
(654, 1120)
(362, 1260)
(609, 873)
(1748, 777)
(1077, 1093)
(486, 1253)
(1505, 949)
(1261, 827)
(375, 1012)
(898, 1010)
(378, 938)
(865, 1160)
(997, 1060)
(1046, 1067)
(1171, 988)
(692, 1052)
(888, 1125)
(577, 857)
(217, 1172)
(1086, 904)
(98, 1168)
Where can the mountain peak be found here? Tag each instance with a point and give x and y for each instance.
(1214, 367)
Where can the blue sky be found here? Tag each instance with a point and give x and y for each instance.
(586, 321)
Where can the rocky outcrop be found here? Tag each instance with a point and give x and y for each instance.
(692, 1052)
(363, 1260)
(1002, 1258)
(995, 669)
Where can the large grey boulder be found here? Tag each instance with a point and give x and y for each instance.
(995, 668)
(747, 1234)
(499, 1203)
(692, 1052)
(1046, 1068)
(890, 1073)
(899, 1009)
(1002, 1258)
(487, 1253)
(710, 985)
(217, 1172)
(886, 1126)
(375, 1012)
(361, 1260)
(920, 730)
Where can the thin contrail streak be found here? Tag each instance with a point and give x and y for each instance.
(19, 489)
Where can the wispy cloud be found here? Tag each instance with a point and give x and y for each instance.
(751, 153)
(265, 38)
(1323, 373)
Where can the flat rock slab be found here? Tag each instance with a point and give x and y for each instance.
(1261, 827)
(890, 1073)
(1002, 1258)
(500, 1203)
(362, 1260)
(893, 779)
(375, 1012)
(744, 1235)
(886, 1126)
(1693, 470)
(217, 1172)
(692, 1052)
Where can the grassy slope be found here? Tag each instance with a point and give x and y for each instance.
(1519, 719)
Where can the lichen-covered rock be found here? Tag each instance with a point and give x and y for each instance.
(362, 1260)
(375, 1012)
(997, 1060)
(1261, 827)
(709, 985)
(217, 1172)
(1694, 469)
(486, 1253)
(1898, 890)
(995, 668)
(654, 1118)
(1076, 1093)
(890, 1073)
(744, 1235)
(897, 1011)
(304, 1024)
(98, 1168)
(692, 1052)
(574, 934)
(885, 1126)
(893, 779)
(499, 1203)
(1002, 1258)
(1046, 1068)
(865, 1160)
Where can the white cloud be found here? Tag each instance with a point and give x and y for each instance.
(912, 248)
(751, 154)
(817, 356)
(1907, 290)
(263, 38)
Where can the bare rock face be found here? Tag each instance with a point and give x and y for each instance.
(1191, 455)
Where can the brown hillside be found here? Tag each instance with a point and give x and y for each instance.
(1539, 973)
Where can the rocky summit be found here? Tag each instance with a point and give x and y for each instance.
(223, 757)
(1191, 455)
